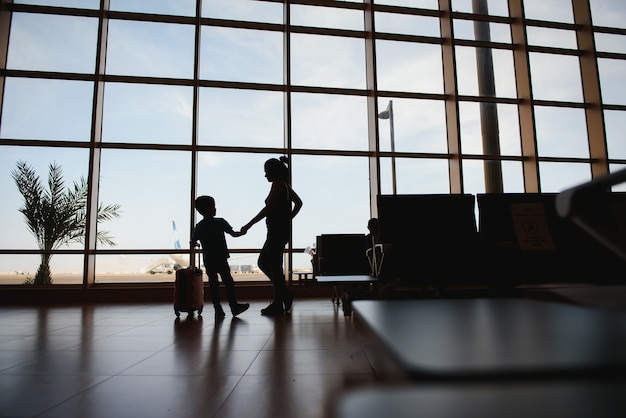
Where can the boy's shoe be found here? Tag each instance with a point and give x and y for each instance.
(272, 309)
(288, 300)
(239, 308)
(219, 314)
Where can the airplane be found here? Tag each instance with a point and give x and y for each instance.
(172, 263)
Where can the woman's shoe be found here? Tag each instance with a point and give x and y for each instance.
(272, 309)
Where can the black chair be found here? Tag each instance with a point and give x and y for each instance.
(527, 242)
(433, 239)
(342, 254)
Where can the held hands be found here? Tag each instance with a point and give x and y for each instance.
(238, 233)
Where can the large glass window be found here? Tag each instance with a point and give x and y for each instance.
(183, 105)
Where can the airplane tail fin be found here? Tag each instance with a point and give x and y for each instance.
(176, 240)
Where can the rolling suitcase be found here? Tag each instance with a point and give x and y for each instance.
(189, 289)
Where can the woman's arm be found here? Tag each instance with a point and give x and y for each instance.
(254, 220)
(297, 202)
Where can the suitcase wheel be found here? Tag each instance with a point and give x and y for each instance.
(177, 313)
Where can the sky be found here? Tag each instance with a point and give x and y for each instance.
(152, 187)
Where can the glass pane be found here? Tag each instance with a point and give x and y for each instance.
(407, 24)
(422, 4)
(414, 176)
(147, 113)
(607, 42)
(512, 177)
(18, 269)
(152, 188)
(52, 43)
(615, 126)
(21, 269)
(550, 10)
(46, 109)
(556, 177)
(335, 195)
(247, 10)
(612, 76)
(473, 177)
(495, 7)
(150, 49)
(82, 4)
(610, 13)
(15, 232)
(507, 128)
(409, 67)
(241, 55)
(548, 84)
(325, 121)
(303, 262)
(237, 117)
(555, 38)
(165, 7)
(327, 61)
(418, 125)
(503, 72)
(469, 121)
(561, 132)
(326, 17)
(498, 32)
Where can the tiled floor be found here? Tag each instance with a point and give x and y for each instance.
(137, 361)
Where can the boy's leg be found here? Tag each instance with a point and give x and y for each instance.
(229, 285)
(214, 290)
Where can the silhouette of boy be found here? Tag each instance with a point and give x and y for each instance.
(210, 232)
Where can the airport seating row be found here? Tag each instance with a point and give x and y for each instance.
(516, 239)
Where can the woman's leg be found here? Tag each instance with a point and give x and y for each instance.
(271, 264)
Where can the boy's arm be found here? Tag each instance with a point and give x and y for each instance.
(230, 231)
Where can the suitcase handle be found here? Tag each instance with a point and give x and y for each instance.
(192, 260)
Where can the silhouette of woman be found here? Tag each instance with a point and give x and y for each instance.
(281, 205)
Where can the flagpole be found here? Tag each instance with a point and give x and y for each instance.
(393, 148)
(388, 114)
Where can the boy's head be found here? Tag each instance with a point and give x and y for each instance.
(205, 205)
